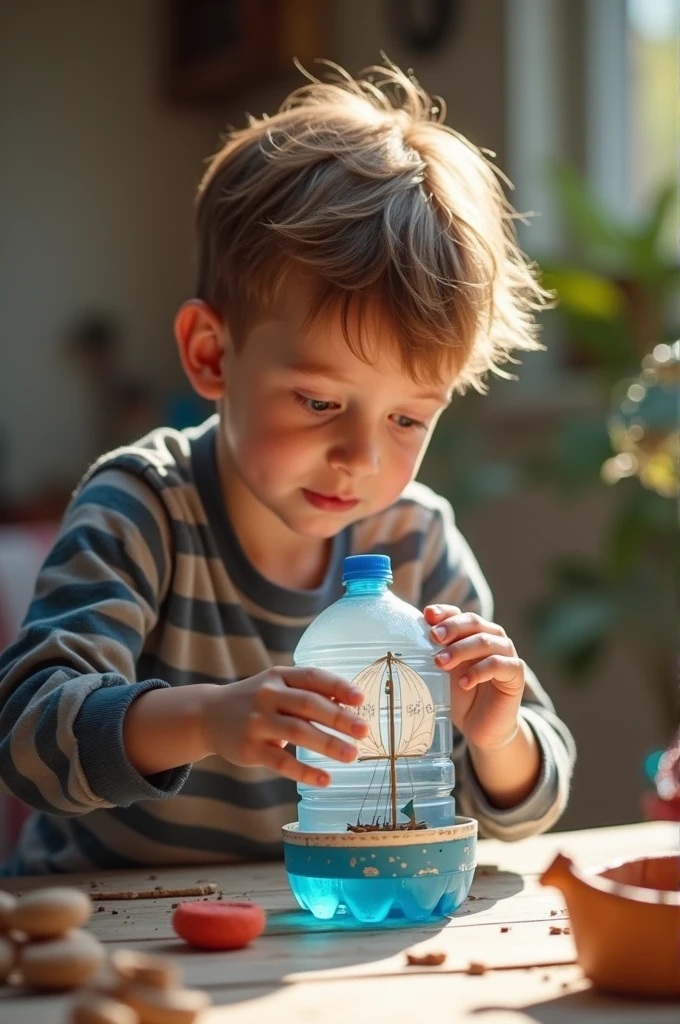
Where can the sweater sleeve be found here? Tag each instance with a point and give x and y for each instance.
(67, 681)
(452, 576)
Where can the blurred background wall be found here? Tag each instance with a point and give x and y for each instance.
(107, 112)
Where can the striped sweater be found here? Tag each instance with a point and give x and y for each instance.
(147, 586)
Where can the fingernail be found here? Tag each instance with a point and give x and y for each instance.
(359, 729)
(323, 779)
(463, 681)
(442, 658)
(355, 693)
(439, 632)
(348, 750)
(437, 609)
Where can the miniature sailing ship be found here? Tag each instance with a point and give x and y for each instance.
(400, 713)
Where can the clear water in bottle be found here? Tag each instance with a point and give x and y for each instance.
(400, 785)
(352, 634)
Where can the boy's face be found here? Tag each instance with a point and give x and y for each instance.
(318, 436)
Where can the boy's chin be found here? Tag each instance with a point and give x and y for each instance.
(321, 525)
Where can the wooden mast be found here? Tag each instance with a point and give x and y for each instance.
(393, 759)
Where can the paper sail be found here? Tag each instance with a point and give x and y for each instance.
(414, 712)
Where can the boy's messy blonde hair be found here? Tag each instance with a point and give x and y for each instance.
(360, 183)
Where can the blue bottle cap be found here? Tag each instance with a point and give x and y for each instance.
(366, 567)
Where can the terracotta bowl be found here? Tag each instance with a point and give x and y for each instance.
(625, 919)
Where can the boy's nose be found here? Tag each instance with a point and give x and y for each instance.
(359, 458)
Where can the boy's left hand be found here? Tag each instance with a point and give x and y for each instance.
(487, 677)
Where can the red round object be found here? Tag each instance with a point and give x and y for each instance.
(219, 925)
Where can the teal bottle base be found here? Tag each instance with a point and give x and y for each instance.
(417, 875)
(371, 901)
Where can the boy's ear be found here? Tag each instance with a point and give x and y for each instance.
(201, 339)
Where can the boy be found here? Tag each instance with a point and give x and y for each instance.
(356, 267)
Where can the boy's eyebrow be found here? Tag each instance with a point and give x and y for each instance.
(318, 370)
(331, 373)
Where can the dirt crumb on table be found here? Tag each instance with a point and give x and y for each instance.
(425, 959)
(477, 967)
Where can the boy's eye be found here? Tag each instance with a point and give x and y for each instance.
(406, 422)
(314, 405)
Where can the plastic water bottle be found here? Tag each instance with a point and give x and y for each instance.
(366, 624)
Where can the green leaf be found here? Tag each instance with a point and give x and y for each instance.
(646, 243)
(580, 449)
(584, 293)
(623, 252)
(585, 217)
(573, 622)
(606, 343)
(648, 600)
(582, 660)
(576, 574)
(642, 519)
(661, 209)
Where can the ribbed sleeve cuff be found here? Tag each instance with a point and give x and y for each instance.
(99, 733)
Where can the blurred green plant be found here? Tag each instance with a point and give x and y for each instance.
(618, 287)
(618, 302)
(617, 292)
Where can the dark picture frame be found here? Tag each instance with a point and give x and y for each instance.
(218, 48)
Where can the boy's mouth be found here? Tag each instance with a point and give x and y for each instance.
(329, 503)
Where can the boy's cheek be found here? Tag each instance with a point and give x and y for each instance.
(417, 456)
(274, 455)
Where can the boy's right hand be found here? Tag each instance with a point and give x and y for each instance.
(250, 722)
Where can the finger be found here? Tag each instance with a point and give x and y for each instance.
(302, 734)
(314, 708)
(506, 673)
(455, 627)
(475, 648)
(319, 681)
(281, 761)
(434, 613)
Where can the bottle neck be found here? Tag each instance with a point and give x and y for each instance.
(366, 587)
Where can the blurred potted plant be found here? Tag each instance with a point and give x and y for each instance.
(615, 301)
(618, 303)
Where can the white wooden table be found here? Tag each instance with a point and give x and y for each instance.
(309, 971)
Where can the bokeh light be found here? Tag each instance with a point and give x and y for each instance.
(644, 427)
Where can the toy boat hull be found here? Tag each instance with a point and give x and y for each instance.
(417, 874)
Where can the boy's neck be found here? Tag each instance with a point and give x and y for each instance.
(276, 552)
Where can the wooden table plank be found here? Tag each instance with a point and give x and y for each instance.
(555, 996)
(558, 995)
(295, 970)
(327, 957)
(148, 920)
(588, 847)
